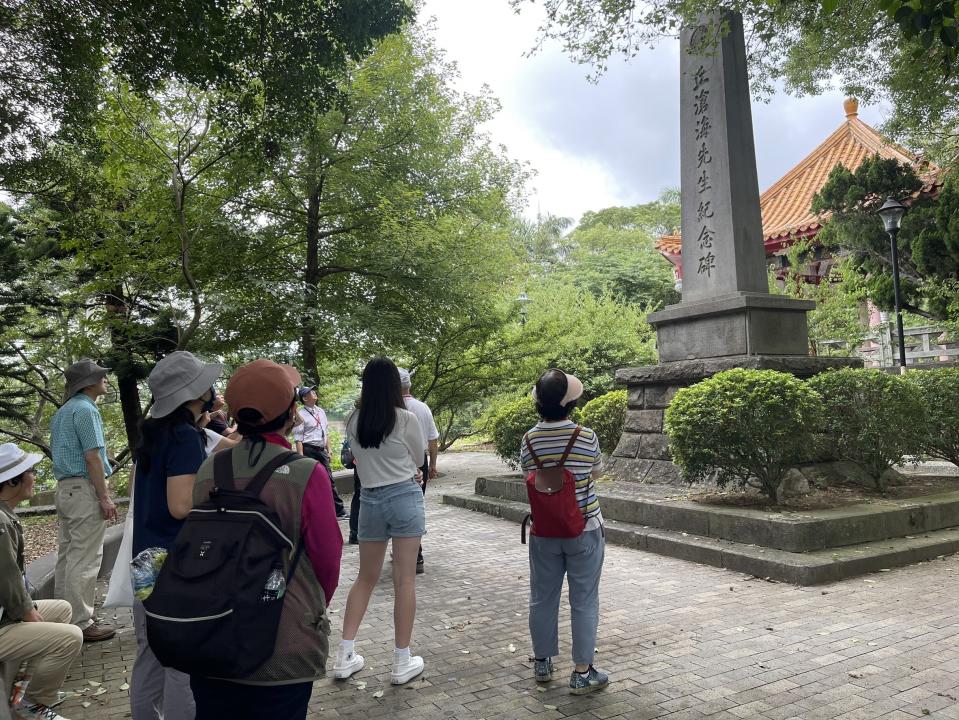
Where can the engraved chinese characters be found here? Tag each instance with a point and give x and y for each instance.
(721, 228)
(726, 308)
(707, 260)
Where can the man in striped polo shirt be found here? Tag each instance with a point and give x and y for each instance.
(83, 501)
(579, 559)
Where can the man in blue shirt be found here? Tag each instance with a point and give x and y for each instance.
(83, 502)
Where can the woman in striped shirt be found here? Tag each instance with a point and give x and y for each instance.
(580, 558)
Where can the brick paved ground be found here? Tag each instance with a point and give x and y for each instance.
(680, 641)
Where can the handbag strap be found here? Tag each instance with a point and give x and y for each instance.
(566, 452)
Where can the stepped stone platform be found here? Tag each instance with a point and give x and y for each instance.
(803, 548)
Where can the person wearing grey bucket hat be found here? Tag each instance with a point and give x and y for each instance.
(172, 448)
(83, 501)
(82, 374)
(38, 633)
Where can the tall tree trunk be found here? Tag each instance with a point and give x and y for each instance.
(124, 365)
(311, 278)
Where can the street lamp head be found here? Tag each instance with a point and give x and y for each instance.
(523, 300)
(891, 213)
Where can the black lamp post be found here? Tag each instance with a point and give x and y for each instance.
(891, 213)
(523, 300)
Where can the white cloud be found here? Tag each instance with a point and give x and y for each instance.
(611, 143)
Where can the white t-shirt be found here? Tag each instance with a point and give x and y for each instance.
(425, 416)
(396, 459)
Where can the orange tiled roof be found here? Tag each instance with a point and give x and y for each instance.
(785, 207)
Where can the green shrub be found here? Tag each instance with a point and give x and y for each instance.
(748, 426)
(336, 440)
(939, 390)
(507, 423)
(870, 417)
(606, 415)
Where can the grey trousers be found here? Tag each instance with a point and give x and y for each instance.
(156, 692)
(580, 559)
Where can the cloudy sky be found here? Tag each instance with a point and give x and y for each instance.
(611, 143)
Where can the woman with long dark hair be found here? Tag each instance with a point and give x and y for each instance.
(387, 445)
(172, 448)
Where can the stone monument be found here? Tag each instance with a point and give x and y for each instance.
(727, 317)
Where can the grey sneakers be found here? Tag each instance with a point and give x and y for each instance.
(543, 669)
(590, 681)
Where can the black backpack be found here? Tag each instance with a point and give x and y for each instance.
(346, 455)
(210, 612)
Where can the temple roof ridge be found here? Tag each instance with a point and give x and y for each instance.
(786, 204)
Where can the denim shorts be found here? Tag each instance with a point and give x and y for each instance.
(391, 511)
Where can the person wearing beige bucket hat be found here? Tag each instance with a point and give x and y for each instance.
(38, 633)
(83, 501)
(172, 447)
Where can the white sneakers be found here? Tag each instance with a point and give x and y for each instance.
(406, 669)
(36, 711)
(346, 664)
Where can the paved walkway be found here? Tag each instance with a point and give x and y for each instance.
(680, 641)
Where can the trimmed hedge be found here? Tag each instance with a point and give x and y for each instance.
(871, 417)
(745, 426)
(939, 390)
(606, 415)
(507, 425)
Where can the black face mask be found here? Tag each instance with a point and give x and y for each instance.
(208, 404)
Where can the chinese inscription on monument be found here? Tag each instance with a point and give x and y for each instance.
(722, 230)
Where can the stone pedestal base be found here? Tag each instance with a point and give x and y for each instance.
(732, 325)
(642, 454)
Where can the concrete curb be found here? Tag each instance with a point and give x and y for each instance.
(32, 510)
(795, 532)
(807, 568)
(41, 572)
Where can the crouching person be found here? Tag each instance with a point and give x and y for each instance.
(38, 633)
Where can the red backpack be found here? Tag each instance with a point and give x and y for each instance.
(554, 510)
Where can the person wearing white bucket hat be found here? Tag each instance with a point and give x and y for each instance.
(83, 500)
(38, 633)
(172, 448)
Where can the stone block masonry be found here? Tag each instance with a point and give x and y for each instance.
(642, 454)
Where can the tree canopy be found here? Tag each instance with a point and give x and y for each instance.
(928, 241)
(266, 59)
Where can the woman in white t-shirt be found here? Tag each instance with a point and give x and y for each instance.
(387, 445)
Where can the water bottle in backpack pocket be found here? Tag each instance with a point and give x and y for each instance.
(554, 509)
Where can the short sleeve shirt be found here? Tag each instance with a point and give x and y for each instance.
(180, 452)
(76, 427)
(425, 417)
(549, 440)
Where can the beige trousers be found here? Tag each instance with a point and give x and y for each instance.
(81, 547)
(48, 648)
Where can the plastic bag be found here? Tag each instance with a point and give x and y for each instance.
(120, 589)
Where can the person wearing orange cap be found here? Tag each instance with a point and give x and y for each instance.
(261, 396)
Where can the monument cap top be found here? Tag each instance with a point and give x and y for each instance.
(851, 106)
